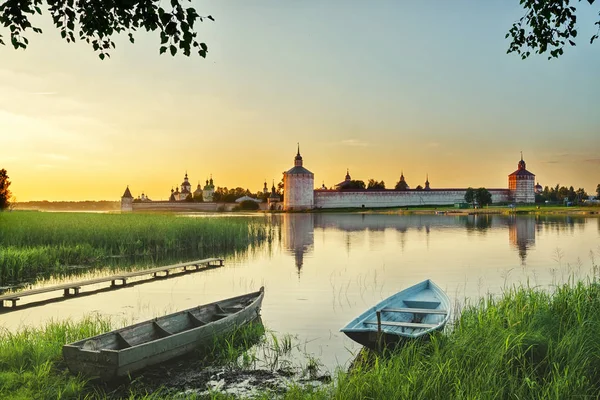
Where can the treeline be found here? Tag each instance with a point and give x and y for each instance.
(88, 205)
(561, 194)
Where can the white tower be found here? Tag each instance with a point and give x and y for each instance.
(298, 187)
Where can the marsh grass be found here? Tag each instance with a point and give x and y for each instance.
(31, 365)
(39, 245)
(528, 344)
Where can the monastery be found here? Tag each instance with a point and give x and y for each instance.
(300, 194)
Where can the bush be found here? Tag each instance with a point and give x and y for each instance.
(249, 205)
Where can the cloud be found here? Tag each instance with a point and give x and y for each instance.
(551, 162)
(354, 143)
(593, 161)
(56, 157)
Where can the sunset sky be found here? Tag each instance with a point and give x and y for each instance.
(377, 87)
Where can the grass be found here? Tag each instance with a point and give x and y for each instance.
(31, 364)
(529, 344)
(34, 244)
(526, 344)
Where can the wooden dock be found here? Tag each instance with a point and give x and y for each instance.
(72, 288)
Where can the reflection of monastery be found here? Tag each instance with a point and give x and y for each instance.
(299, 192)
(298, 229)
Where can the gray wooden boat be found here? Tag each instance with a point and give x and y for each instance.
(410, 314)
(122, 351)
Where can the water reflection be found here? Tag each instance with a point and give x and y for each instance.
(298, 236)
(298, 229)
(521, 234)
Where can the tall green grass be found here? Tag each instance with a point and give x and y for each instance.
(31, 365)
(34, 244)
(526, 344)
(529, 344)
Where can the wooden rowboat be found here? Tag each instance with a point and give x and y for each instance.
(120, 352)
(412, 313)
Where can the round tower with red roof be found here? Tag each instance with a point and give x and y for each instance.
(521, 184)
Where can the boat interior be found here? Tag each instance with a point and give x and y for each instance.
(421, 311)
(165, 326)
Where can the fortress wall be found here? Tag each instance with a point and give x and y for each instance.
(392, 198)
(180, 206)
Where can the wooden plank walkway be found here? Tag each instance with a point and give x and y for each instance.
(72, 288)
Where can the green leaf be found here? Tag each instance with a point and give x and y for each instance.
(210, 17)
(204, 47)
(163, 49)
(173, 50)
(101, 55)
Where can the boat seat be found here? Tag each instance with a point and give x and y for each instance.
(195, 320)
(162, 332)
(404, 324)
(123, 343)
(414, 311)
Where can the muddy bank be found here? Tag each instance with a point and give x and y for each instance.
(189, 376)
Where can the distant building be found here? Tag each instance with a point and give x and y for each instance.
(209, 190)
(273, 199)
(186, 188)
(300, 194)
(298, 186)
(127, 200)
(345, 182)
(521, 184)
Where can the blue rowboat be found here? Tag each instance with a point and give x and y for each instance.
(410, 314)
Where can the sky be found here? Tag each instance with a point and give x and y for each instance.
(380, 88)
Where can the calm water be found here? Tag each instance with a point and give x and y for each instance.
(324, 269)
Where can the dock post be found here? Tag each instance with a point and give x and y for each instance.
(378, 321)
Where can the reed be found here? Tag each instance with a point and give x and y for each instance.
(527, 344)
(34, 244)
(31, 364)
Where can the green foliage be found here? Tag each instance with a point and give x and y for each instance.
(31, 364)
(528, 344)
(375, 185)
(547, 26)
(5, 194)
(483, 197)
(189, 198)
(561, 194)
(224, 195)
(198, 197)
(249, 205)
(95, 22)
(598, 190)
(470, 196)
(34, 245)
(353, 185)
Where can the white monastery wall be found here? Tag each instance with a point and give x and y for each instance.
(393, 198)
(180, 206)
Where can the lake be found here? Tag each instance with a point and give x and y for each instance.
(324, 269)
